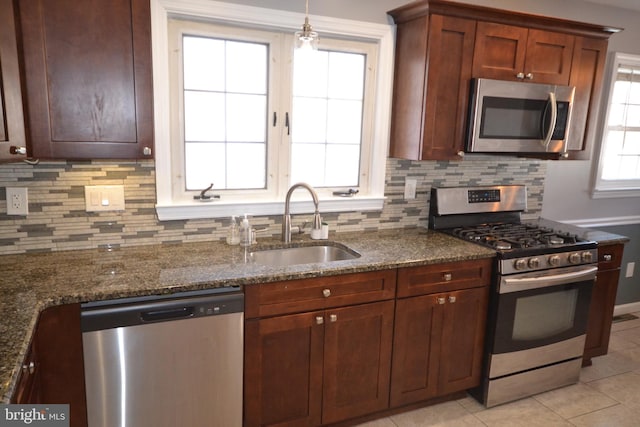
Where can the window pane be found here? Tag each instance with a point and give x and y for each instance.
(327, 111)
(344, 124)
(342, 159)
(229, 105)
(246, 166)
(310, 73)
(204, 116)
(631, 143)
(246, 67)
(246, 118)
(633, 116)
(346, 75)
(308, 164)
(204, 165)
(202, 58)
(620, 92)
(309, 120)
(634, 92)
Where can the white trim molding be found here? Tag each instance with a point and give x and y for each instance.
(263, 18)
(604, 222)
(633, 307)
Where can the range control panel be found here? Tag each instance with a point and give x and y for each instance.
(484, 196)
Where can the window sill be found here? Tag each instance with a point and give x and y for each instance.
(222, 209)
(615, 194)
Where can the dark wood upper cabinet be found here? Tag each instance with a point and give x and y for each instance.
(442, 45)
(12, 131)
(88, 78)
(507, 52)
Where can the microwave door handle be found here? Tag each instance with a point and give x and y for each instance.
(552, 123)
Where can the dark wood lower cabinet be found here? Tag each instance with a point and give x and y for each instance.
(319, 367)
(603, 300)
(438, 344)
(57, 373)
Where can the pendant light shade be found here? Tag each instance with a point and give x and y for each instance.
(306, 39)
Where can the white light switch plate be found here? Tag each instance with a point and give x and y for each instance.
(100, 198)
(410, 188)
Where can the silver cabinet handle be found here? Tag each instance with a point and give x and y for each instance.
(608, 257)
(441, 300)
(18, 150)
(333, 318)
(520, 76)
(447, 277)
(529, 76)
(319, 320)
(326, 293)
(31, 367)
(452, 299)
(146, 151)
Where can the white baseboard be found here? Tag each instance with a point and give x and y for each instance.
(626, 308)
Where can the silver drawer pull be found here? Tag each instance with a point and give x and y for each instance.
(447, 277)
(441, 300)
(319, 320)
(31, 367)
(326, 293)
(333, 318)
(608, 257)
(452, 299)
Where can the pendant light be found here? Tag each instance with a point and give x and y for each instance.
(307, 39)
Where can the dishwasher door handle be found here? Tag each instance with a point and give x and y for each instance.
(168, 314)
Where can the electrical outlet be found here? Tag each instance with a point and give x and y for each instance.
(17, 201)
(410, 188)
(630, 267)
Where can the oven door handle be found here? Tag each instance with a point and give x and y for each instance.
(514, 284)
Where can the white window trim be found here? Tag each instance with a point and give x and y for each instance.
(230, 13)
(610, 189)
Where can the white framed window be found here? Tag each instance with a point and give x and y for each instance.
(236, 106)
(618, 168)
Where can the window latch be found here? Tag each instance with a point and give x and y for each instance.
(349, 193)
(204, 197)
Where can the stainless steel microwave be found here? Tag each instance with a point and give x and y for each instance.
(517, 117)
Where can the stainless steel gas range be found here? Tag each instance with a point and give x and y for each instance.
(541, 291)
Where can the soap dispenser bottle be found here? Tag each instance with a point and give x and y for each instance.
(245, 232)
(233, 234)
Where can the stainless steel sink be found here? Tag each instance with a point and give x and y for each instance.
(302, 255)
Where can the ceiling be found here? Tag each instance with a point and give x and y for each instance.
(625, 4)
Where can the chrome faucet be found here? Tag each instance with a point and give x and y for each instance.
(286, 219)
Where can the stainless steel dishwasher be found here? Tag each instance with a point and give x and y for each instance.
(165, 360)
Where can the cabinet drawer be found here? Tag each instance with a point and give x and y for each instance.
(610, 256)
(428, 279)
(292, 296)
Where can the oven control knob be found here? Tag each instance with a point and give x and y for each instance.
(534, 263)
(575, 258)
(554, 260)
(520, 264)
(587, 256)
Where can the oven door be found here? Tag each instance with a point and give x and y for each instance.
(542, 308)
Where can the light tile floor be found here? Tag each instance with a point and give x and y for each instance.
(608, 395)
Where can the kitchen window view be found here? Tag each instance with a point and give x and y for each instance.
(249, 123)
(619, 167)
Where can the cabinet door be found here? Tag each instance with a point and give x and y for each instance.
(417, 334)
(451, 43)
(548, 57)
(283, 370)
(12, 133)
(587, 72)
(28, 388)
(603, 301)
(462, 343)
(58, 342)
(88, 77)
(499, 51)
(431, 85)
(357, 360)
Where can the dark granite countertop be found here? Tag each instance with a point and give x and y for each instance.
(30, 283)
(602, 237)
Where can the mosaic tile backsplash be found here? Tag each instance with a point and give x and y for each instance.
(57, 219)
